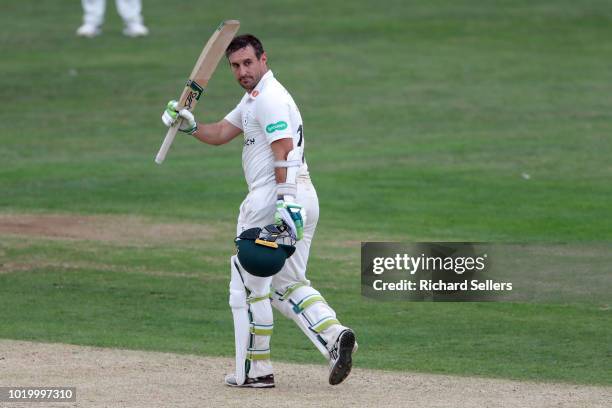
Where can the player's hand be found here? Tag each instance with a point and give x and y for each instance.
(171, 115)
(291, 215)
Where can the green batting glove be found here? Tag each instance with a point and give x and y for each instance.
(290, 215)
(171, 115)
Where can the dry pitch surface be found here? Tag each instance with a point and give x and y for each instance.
(123, 378)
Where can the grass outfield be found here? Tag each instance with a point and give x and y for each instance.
(446, 120)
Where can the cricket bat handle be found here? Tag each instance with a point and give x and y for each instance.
(163, 150)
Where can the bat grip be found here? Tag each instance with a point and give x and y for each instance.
(163, 150)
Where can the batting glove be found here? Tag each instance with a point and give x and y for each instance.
(290, 215)
(171, 115)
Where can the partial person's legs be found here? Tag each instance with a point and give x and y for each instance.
(131, 13)
(93, 17)
(293, 296)
(253, 325)
(250, 303)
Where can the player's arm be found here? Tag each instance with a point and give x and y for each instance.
(216, 133)
(286, 165)
(281, 149)
(212, 133)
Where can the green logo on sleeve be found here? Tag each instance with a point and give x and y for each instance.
(272, 127)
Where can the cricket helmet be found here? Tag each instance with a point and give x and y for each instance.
(263, 251)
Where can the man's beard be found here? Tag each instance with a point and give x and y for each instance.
(251, 84)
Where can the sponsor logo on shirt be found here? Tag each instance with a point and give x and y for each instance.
(273, 127)
(248, 142)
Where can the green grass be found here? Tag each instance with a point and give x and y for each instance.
(420, 121)
(174, 298)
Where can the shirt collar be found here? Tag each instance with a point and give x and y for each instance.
(253, 94)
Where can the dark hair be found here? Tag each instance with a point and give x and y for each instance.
(242, 41)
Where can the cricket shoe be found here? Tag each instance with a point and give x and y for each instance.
(266, 381)
(135, 30)
(341, 360)
(88, 31)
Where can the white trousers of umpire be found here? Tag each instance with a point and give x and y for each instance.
(257, 210)
(129, 10)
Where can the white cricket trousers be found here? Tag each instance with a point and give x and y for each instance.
(129, 10)
(257, 210)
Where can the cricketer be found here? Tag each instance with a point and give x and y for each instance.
(280, 192)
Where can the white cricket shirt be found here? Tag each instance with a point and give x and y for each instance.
(265, 115)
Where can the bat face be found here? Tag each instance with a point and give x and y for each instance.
(200, 75)
(194, 93)
(207, 63)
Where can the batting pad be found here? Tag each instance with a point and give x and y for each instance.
(305, 305)
(253, 324)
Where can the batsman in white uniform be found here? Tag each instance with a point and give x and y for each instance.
(280, 191)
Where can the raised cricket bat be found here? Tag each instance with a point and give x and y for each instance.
(198, 80)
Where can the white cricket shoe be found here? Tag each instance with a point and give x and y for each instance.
(266, 381)
(341, 357)
(135, 30)
(88, 30)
